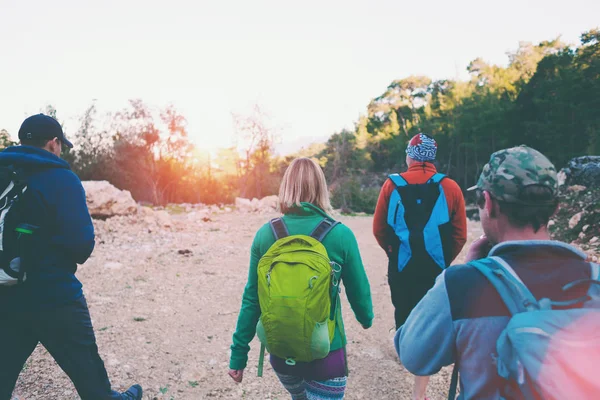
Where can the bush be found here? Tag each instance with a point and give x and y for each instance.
(350, 196)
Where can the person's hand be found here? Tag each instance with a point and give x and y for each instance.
(237, 375)
(479, 249)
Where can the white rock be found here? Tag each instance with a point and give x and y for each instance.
(269, 203)
(585, 228)
(594, 239)
(243, 205)
(163, 218)
(146, 211)
(576, 188)
(575, 219)
(562, 178)
(104, 200)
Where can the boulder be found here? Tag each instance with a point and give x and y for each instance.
(198, 215)
(105, 201)
(163, 218)
(151, 217)
(583, 171)
(269, 203)
(243, 205)
(266, 204)
(576, 188)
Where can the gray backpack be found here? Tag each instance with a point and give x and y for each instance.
(15, 236)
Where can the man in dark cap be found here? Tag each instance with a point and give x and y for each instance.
(43, 200)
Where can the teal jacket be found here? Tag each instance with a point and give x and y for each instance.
(341, 247)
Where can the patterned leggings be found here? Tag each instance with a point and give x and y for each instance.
(301, 389)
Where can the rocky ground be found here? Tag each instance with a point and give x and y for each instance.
(164, 302)
(578, 219)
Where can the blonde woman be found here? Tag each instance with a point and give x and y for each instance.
(304, 203)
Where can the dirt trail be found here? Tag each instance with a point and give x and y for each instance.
(165, 319)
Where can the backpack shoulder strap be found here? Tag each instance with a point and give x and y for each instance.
(507, 283)
(398, 180)
(437, 178)
(324, 227)
(595, 271)
(279, 229)
(594, 290)
(593, 282)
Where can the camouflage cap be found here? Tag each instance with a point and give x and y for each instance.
(509, 171)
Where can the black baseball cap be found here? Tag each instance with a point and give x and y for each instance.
(42, 126)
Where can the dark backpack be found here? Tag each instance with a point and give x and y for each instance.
(419, 215)
(14, 235)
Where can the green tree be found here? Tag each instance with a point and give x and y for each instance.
(257, 138)
(5, 139)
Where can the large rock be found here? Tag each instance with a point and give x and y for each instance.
(163, 218)
(105, 201)
(269, 203)
(243, 205)
(583, 171)
(266, 204)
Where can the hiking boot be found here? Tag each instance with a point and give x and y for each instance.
(133, 393)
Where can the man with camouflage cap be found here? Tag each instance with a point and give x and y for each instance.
(462, 316)
(512, 170)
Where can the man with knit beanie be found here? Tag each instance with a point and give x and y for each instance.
(420, 222)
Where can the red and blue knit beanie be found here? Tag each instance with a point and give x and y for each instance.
(422, 148)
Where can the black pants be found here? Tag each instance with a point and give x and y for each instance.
(410, 285)
(67, 334)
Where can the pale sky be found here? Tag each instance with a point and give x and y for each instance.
(313, 66)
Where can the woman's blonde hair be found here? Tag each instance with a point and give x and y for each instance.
(303, 181)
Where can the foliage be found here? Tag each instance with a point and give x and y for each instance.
(148, 152)
(587, 203)
(5, 140)
(258, 178)
(548, 97)
(350, 195)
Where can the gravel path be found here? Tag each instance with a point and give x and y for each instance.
(164, 303)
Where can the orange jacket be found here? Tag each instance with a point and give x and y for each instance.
(418, 174)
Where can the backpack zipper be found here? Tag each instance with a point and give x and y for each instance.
(329, 262)
(396, 212)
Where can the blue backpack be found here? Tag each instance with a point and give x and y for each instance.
(418, 214)
(546, 351)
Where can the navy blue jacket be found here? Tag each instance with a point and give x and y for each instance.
(462, 316)
(54, 201)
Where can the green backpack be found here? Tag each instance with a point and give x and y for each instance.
(298, 292)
